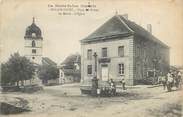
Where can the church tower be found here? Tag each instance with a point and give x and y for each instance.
(33, 43)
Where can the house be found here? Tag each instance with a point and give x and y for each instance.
(123, 50)
(69, 71)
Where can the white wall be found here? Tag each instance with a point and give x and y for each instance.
(112, 49)
(28, 50)
(28, 42)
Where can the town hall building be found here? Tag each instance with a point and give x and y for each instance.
(123, 50)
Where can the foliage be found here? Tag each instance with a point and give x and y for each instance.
(17, 68)
(5, 74)
(48, 72)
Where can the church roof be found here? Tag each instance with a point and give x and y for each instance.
(33, 31)
(118, 26)
(48, 61)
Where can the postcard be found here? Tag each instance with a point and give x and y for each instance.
(91, 58)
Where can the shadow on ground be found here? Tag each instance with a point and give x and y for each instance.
(6, 109)
(14, 107)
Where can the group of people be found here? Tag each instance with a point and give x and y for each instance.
(168, 81)
(113, 86)
(171, 79)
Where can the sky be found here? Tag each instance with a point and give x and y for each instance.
(62, 34)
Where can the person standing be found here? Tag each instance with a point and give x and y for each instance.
(160, 78)
(123, 84)
(176, 79)
(169, 81)
(179, 74)
(179, 79)
(113, 87)
(164, 80)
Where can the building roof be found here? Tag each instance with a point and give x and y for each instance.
(71, 60)
(118, 26)
(33, 28)
(48, 61)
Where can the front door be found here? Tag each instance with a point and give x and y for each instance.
(105, 72)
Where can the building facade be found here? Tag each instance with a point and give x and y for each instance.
(33, 43)
(124, 50)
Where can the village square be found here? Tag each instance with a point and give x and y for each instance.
(121, 69)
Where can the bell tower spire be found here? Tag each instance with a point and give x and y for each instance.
(116, 12)
(33, 20)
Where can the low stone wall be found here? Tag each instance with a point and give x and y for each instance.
(27, 89)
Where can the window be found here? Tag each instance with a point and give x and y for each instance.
(121, 69)
(89, 69)
(104, 52)
(89, 54)
(33, 43)
(138, 51)
(33, 34)
(34, 51)
(121, 51)
(150, 73)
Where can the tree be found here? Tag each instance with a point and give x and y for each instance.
(48, 72)
(17, 68)
(5, 74)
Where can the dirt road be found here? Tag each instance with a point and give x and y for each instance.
(67, 101)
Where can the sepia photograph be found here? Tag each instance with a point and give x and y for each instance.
(91, 58)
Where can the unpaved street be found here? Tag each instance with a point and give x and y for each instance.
(66, 101)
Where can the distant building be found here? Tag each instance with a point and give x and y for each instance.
(48, 61)
(70, 70)
(124, 50)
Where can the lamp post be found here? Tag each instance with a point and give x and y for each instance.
(95, 80)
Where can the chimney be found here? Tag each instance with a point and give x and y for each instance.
(125, 16)
(149, 28)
